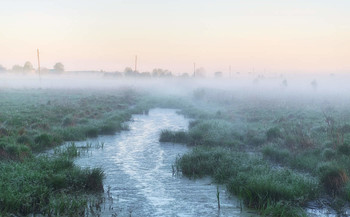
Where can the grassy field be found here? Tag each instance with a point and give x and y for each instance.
(275, 152)
(35, 120)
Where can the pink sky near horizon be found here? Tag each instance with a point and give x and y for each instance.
(274, 36)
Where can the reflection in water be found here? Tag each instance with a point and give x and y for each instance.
(139, 173)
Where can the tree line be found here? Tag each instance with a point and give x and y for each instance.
(29, 68)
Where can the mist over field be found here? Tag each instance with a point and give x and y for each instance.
(175, 108)
(335, 86)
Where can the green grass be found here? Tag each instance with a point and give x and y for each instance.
(46, 185)
(175, 137)
(253, 180)
(300, 146)
(284, 209)
(276, 154)
(44, 119)
(34, 120)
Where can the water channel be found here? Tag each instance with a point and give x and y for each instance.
(139, 173)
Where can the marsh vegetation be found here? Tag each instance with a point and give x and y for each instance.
(278, 152)
(35, 120)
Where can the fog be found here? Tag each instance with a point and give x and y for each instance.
(331, 86)
(301, 105)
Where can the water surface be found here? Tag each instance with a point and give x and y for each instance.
(139, 175)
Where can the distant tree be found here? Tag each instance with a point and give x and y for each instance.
(17, 68)
(28, 67)
(314, 84)
(129, 72)
(185, 75)
(118, 74)
(2, 69)
(145, 74)
(200, 72)
(44, 70)
(285, 82)
(112, 74)
(161, 73)
(58, 67)
(218, 74)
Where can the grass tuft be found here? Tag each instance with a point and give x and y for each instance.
(175, 137)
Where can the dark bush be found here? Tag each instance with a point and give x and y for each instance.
(3, 132)
(344, 149)
(43, 140)
(12, 150)
(276, 154)
(273, 133)
(345, 128)
(333, 178)
(110, 128)
(94, 179)
(25, 140)
(58, 181)
(67, 121)
(328, 154)
(175, 137)
(92, 132)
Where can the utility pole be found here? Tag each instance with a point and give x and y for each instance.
(135, 63)
(37, 51)
(194, 69)
(230, 70)
(38, 61)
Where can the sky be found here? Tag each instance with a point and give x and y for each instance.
(279, 36)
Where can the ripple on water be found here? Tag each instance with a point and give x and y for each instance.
(139, 172)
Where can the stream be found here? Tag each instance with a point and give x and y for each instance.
(139, 173)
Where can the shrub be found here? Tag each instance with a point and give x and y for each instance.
(71, 151)
(253, 138)
(13, 150)
(61, 163)
(92, 132)
(248, 177)
(166, 136)
(283, 208)
(345, 128)
(328, 154)
(307, 161)
(3, 132)
(273, 133)
(200, 162)
(212, 133)
(67, 121)
(94, 179)
(110, 127)
(72, 133)
(43, 140)
(346, 193)
(276, 154)
(333, 178)
(344, 149)
(263, 184)
(57, 181)
(38, 184)
(199, 94)
(25, 140)
(175, 137)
